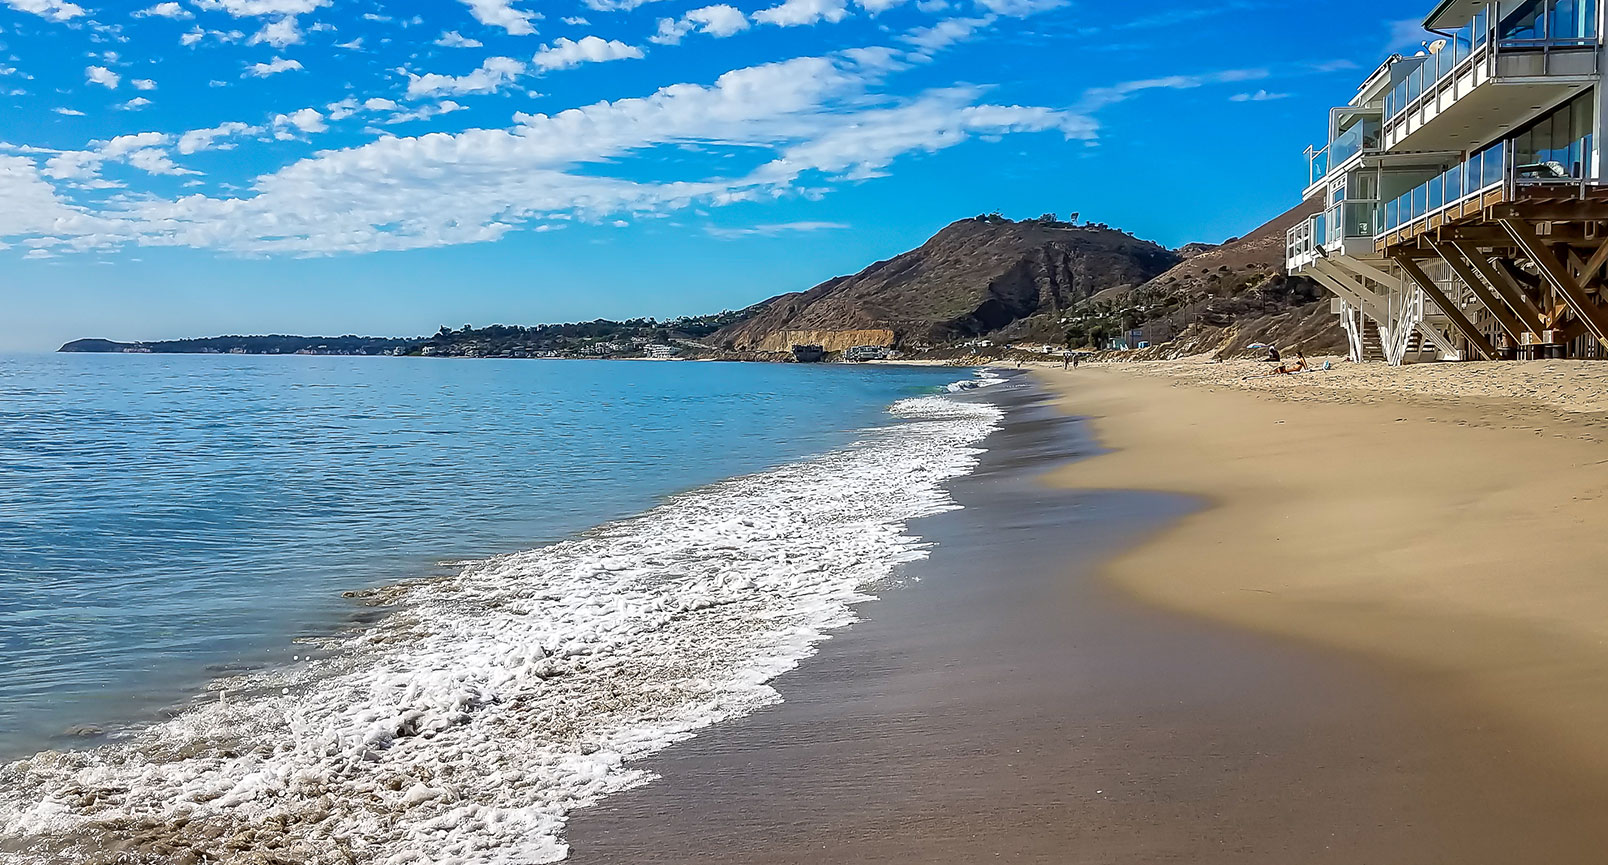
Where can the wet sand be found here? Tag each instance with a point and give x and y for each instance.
(1014, 705)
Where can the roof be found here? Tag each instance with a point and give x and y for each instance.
(1451, 14)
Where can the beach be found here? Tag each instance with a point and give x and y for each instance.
(1184, 648)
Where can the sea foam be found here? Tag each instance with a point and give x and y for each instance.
(467, 724)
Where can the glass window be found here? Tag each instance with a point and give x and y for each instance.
(1524, 22)
(1558, 143)
(1572, 19)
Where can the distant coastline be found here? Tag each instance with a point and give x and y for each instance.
(644, 337)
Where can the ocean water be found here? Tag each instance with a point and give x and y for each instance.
(555, 566)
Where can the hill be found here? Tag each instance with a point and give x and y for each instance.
(975, 277)
(272, 344)
(1221, 299)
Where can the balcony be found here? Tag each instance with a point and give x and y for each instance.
(1541, 52)
(1458, 192)
(1361, 136)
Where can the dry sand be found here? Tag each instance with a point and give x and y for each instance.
(1444, 519)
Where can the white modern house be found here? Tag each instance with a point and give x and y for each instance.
(1465, 215)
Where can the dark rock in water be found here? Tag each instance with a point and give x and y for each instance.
(232, 668)
(83, 731)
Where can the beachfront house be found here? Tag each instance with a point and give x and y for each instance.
(1463, 210)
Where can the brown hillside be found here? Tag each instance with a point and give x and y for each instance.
(975, 277)
(1223, 298)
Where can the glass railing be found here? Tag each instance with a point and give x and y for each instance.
(1363, 135)
(1476, 174)
(1567, 23)
(1317, 166)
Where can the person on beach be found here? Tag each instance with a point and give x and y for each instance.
(1066, 359)
(1300, 365)
(1272, 354)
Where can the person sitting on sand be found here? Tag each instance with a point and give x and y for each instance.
(1272, 354)
(1300, 365)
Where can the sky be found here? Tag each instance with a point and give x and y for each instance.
(200, 167)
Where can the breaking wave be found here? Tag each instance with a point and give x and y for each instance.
(469, 722)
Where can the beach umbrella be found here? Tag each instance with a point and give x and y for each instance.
(1260, 345)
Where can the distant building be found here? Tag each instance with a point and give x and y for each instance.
(865, 352)
(662, 352)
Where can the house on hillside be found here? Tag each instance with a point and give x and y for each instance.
(1465, 212)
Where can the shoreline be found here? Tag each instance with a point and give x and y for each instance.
(1011, 702)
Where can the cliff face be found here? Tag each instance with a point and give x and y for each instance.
(974, 277)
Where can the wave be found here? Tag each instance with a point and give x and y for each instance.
(983, 378)
(466, 725)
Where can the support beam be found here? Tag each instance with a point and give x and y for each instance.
(1349, 289)
(1459, 320)
(1505, 285)
(1594, 264)
(1592, 315)
(1495, 306)
(1366, 270)
(1579, 210)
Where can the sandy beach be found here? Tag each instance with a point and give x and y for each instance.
(1443, 520)
(1078, 677)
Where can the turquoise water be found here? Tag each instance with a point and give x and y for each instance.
(167, 518)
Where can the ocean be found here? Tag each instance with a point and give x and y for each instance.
(392, 607)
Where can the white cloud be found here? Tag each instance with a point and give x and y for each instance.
(1258, 96)
(819, 119)
(279, 33)
(69, 112)
(193, 36)
(55, 10)
(102, 76)
(928, 40)
(153, 161)
(720, 21)
(494, 72)
(32, 206)
(197, 140)
(617, 5)
(424, 112)
(143, 84)
(380, 104)
(307, 120)
(143, 150)
(564, 53)
(774, 229)
(272, 67)
(876, 7)
(501, 13)
(796, 13)
(125, 144)
(342, 109)
(260, 8)
(575, 21)
(1020, 8)
(454, 39)
(1096, 98)
(164, 10)
(136, 102)
(354, 45)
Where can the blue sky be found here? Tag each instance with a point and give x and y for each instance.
(195, 167)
